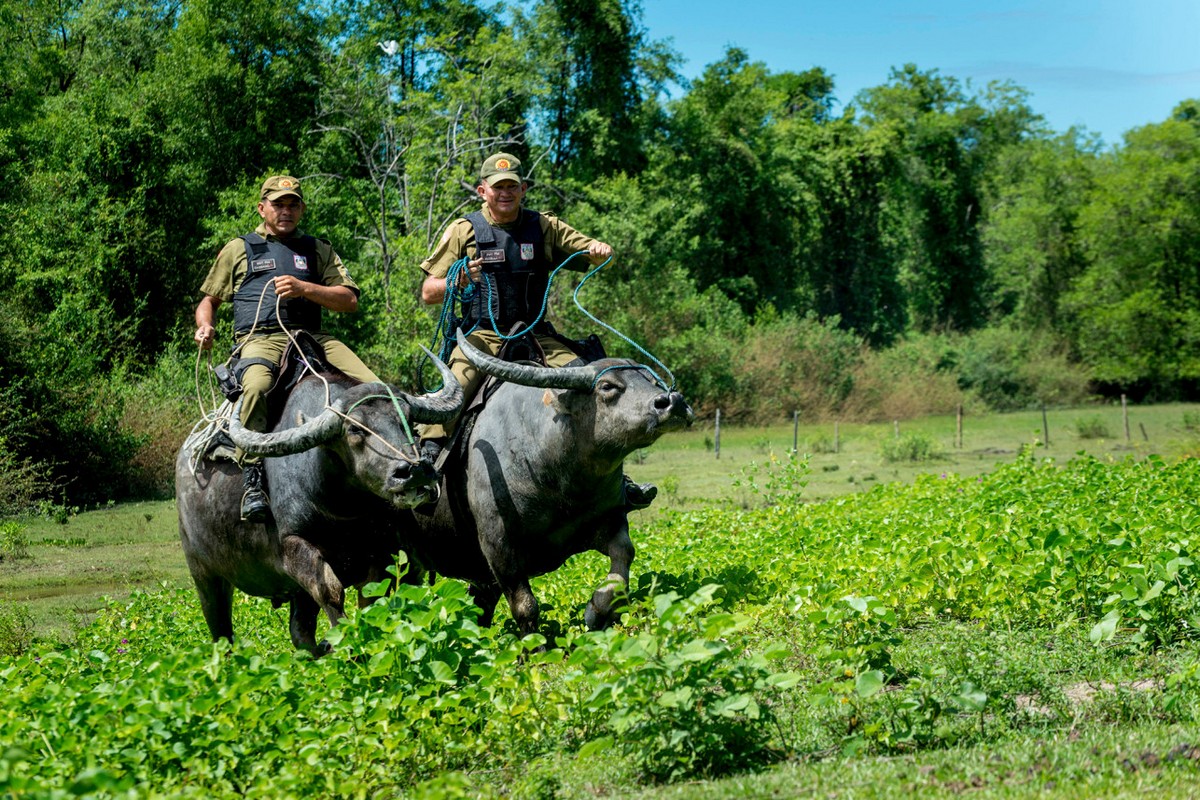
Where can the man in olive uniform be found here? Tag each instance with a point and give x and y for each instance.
(280, 261)
(517, 249)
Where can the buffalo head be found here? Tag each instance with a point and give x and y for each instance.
(370, 428)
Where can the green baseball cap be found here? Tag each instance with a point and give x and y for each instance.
(278, 186)
(501, 167)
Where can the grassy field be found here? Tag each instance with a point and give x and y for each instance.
(78, 562)
(688, 469)
(901, 635)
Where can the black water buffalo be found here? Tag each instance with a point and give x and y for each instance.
(337, 476)
(538, 478)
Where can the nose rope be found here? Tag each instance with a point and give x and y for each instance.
(411, 440)
(657, 380)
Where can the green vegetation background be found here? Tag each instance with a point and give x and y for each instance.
(931, 245)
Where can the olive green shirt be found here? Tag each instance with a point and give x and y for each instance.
(561, 240)
(229, 270)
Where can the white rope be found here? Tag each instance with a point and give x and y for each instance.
(209, 426)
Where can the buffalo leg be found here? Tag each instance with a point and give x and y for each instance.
(216, 603)
(619, 549)
(523, 604)
(486, 598)
(302, 624)
(305, 564)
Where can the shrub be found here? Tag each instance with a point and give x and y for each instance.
(909, 447)
(1012, 369)
(1092, 428)
(16, 629)
(13, 543)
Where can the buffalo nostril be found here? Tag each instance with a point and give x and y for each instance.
(662, 402)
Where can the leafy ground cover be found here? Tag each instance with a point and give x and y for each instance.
(1033, 629)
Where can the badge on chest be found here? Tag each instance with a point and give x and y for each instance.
(492, 256)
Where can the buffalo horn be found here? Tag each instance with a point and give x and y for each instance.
(577, 378)
(313, 432)
(444, 404)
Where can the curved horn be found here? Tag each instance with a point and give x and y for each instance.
(318, 430)
(578, 378)
(441, 406)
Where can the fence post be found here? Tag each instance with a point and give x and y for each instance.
(795, 429)
(1125, 416)
(958, 441)
(1045, 427)
(717, 434)
(1144, 434)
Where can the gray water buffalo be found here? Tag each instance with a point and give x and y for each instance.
(338, 476)
(537, 478)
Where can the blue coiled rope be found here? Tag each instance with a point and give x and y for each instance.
(443, 337)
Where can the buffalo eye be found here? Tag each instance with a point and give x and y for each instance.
(608, 388)
(355, 433)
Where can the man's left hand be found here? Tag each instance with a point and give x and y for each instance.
(600, 251)
(287, 286)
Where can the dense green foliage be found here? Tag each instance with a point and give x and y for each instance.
(769, 249)
(955, 613)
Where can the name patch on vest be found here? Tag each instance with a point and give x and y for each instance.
(262, 265)
(301, 263)
(527, 252)
(492, 256)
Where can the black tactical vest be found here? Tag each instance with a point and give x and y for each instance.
(267, 259)
(515, 263)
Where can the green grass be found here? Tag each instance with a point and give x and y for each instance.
(688, 460)
(986, 590)
(73, 568)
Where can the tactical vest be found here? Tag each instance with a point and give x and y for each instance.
(516, 266)
(268, 259)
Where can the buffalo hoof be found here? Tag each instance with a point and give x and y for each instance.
(639, 495)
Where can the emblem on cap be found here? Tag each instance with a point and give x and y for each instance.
(503, 163)
(286, 183)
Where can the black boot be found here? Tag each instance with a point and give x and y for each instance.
(432, 448)
(639, 495)
(256, 506)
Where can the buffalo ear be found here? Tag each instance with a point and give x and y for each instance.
(553, 399)
(566, 401)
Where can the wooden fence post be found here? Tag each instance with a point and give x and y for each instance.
(958, 440)
(717, 434)
(795, 429)
(1125, 416)
(1045, 427)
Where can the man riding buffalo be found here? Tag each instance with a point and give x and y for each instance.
(510, 252)
(280, 262)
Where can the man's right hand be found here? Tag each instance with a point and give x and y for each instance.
(204, 336)
(473, 270)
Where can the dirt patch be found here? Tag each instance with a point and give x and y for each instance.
(1085, 692)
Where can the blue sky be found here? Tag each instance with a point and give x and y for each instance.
(1103, 65)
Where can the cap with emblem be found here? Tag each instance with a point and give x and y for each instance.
(501, 167)
(278, 186)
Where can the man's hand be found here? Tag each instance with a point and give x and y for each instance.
(598, 251)
(204, 336)
(288, 286)
(472, 274)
